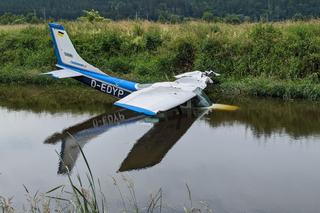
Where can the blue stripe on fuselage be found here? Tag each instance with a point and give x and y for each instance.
(124, 84)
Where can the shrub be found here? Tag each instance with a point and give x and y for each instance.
(152, 38)
(208, 16)
(92, 16)
(298, 17)
(233, 19)
(120, 65)
(185, 53)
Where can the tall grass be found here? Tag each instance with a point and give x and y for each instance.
(147, 52)
(268, 87)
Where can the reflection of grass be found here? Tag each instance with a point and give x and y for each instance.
(265, 117)
(54, 98)
(90, 198)
(269, 116)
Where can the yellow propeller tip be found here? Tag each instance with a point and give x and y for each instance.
(224, 107)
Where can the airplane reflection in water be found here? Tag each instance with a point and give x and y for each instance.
(148, 151)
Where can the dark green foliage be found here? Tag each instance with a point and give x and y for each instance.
(9, 18)
(120, 65)
(29, 48)
(152, 38)
(91, 16)
(298, 17)
(184, 57)
(264, 50)
(233, 19)
(111, 44)
(236, 19)
(170, 18)
(216, 53)
(208, 16)
(173, 11)
(264, 87)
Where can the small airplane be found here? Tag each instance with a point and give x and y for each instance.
(148, 99)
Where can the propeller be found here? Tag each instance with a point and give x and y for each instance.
(219, 107)
(224, 107)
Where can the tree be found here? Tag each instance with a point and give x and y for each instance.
(208, 16)
(298, 17)
(162, 9)
(92, 16)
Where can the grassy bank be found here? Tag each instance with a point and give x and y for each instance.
(278, 60)
(269, 87)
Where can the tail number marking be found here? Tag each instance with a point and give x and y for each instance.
(107, 88)
(109, 120)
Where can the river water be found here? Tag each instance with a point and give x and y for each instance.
(262, 158)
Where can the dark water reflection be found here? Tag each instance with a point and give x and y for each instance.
(268, 117)
(148, 151)
(261, 158)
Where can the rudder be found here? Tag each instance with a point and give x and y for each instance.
(66, 54)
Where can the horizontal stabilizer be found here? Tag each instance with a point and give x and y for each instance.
(63, 73)
(155, 99)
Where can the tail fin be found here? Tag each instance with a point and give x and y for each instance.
(66, 54)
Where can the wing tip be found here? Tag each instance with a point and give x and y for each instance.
(136, 109)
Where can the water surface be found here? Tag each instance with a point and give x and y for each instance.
(263, 158)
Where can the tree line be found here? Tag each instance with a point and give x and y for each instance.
(167, 10)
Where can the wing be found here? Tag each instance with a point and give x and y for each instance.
(155, 99)
(65, 73)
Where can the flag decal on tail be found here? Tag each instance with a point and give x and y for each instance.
(60, 34)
